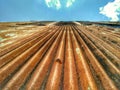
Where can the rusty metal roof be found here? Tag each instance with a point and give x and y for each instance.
(62, 57)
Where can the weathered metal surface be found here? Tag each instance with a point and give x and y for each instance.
(63, 56)
(70, 73)
(84, 73)
(54, 81)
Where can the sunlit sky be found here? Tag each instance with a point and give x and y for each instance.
(59, 10)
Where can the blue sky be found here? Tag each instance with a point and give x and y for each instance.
(27, 10)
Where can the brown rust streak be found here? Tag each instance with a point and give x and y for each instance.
(53, 82)
(115, 60)
(86, 78)
(110, 64)
(42, 69)
(19, 42)
(19, 78)
(70, 74)
(9, 56)
(106, 45)
(13, 65)
(107, 82)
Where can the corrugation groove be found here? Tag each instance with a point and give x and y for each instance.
(62, 56)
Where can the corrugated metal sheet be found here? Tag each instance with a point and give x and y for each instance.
(64, 56)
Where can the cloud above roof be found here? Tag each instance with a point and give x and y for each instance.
(69, 3)
(57, 3)
(53, 3)
(111, 10)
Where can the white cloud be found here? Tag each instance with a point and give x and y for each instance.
(57, 4)
(69, 3)
(53, 3)
(111, 10)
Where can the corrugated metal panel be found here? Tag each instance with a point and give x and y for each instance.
(63, 57)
